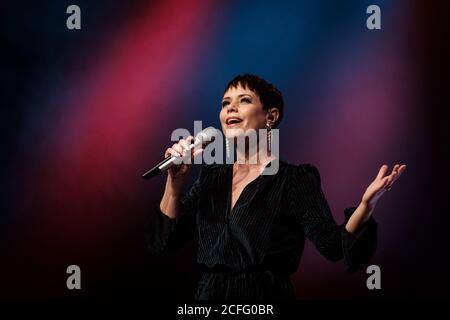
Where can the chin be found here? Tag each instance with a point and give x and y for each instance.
(234, 132)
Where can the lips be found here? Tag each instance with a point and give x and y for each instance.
(232, 121)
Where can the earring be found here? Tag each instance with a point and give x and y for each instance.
(227, 147)
(269, 139)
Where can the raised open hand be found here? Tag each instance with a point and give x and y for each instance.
(382, 183)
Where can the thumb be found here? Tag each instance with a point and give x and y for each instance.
(197, 152)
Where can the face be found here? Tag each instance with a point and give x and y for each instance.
(241, 109)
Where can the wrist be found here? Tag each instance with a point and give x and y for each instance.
(366, 210)
(367, 204)
(173, 188)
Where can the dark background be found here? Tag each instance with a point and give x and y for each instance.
(85, 112)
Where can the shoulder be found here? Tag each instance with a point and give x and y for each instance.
(305, 173)
(311, 171)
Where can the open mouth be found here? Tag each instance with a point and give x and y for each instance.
(232, 121)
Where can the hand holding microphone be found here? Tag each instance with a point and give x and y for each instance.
(179, 151)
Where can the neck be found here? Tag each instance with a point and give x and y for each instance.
(250, 157)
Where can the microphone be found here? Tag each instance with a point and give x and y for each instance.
(203, 138)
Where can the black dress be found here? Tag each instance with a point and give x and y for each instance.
(250, 251)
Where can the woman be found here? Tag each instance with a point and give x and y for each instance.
(251, 227)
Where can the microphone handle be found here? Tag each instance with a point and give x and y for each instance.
(163, 165)
(156, 170)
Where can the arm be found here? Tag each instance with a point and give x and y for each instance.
(173, 222)
(170, 202)
(359, 217)
(356, 240)
(167, 233)
(376, 189)
(176, 178)
(316, 218)
(333, 241)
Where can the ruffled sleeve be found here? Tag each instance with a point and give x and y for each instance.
(167, 234)
(333, 241)
(359, 247)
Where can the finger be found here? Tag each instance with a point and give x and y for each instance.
(190, 139)
(184, 144)
(390, 178)
(197, 152)
(397, 174)
(394, 172)
(387, 182)
(394, 176)
(178, 148)
(382, 171)
(171, 152)
(395, 169)
(390, 182)
(386, 186)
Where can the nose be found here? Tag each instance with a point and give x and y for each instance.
(232, 107)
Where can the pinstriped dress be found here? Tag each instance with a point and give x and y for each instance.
(248, 252)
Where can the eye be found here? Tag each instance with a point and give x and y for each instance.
(225, 103)
(246, 100)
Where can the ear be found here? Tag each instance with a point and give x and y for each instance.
(272, 116)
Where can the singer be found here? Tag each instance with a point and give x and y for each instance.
(250, 227)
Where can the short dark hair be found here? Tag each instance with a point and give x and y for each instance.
(269, 95)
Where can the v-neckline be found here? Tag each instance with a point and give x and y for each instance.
(230, 205)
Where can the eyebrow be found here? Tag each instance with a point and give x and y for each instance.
(241, 95)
